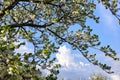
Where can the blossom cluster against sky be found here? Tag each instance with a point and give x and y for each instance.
(75, 66)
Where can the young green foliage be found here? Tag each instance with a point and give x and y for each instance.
(47, 24)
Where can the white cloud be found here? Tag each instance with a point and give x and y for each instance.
(28, 48)
(23, 49)
(115, 77)
(78, 70)
(116, 67)
(64, 57)
(72, 69)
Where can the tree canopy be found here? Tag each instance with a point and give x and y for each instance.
(47, 24)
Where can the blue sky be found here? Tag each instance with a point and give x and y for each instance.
(74, 65)
(109, 34)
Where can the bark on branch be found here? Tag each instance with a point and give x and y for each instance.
(11, 6)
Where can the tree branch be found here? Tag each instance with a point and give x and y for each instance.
(72, 43)
(30, 25)
(11, 6)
